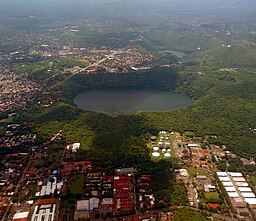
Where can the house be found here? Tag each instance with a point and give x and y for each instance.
(209, 188)
(82, 209)
(107, 206)
(73, 147)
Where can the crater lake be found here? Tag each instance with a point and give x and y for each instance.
(114, 102)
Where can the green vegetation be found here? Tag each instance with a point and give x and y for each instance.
(176, 195)
(76, 185)
(47, 69)
(163, 39)
(179, 195)
(6, 120)
(85, 37)
(188, 214)
(195, 171)
(236, 165)
(242, 55)
(213, 197)
(158, 78)
(252, 179)
(70, 63)
(2, 130)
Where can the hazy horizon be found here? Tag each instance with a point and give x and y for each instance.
(99, 8)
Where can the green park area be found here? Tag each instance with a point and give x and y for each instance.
(212, 197)
(76, 185)
(196, 171)
(188, 214)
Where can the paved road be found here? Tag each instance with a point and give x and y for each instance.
(96, 63)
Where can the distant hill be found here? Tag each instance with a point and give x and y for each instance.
(242, 55)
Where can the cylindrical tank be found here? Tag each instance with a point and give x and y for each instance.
(155, 149)
(156, 155)
(167, 156)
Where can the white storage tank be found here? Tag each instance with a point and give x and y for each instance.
(155, 149)
(167, 156)
(156, 155)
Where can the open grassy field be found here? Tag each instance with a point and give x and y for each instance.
(187, 214)
(212, 197)
(196, 171)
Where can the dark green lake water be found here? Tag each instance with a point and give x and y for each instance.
(116, 102)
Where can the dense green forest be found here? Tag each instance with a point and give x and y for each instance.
(157, 78)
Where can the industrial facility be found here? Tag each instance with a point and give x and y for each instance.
(161, 149)
(238, 190)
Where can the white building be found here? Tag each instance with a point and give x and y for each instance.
(45, 210)
(74, 147)
(20, 216)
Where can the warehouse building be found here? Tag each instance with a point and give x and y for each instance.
(238, 191)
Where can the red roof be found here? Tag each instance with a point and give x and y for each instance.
(203, 162)
(213, 205)
(66, 171)
(133, 218)
(30, 123)
(11, 155)
(77, 163)
(108, 178)
(20, 219)
(145, 178)
(203, 151)
(122, 195)
(12, 165)
(47, 201)
(32, 170)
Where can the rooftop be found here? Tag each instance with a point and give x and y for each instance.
(22, 215)
(82, 205)
(47, 201)
(233, 194)
(248, 194)
(222, 174)
(250, 201)
(235, 174)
